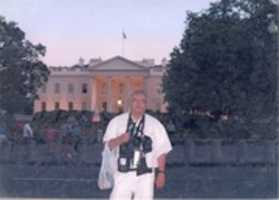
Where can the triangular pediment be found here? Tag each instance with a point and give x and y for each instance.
(118, 63)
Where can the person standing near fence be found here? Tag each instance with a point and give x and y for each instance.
(142, 144)
(27, 133)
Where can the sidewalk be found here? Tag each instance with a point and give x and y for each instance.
(70, 181)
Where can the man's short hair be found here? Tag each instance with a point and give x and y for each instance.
(139, 92)
(134, 93)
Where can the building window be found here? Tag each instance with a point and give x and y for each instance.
(71, 106)
(57, 88)
(56, 105)
(121, 88)
(71, 88)
(103, 89)
(104, 106)
(84, 106)
(84, 88)
(44, 89)
(43, 106)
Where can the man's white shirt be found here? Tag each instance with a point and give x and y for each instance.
(152, 128)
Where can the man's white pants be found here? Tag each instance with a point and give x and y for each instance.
(128, 184)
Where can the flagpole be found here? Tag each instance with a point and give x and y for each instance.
(124, 37)
(122, 47)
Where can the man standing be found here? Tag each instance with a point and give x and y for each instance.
(142, 145)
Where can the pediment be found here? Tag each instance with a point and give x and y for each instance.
(118, 63)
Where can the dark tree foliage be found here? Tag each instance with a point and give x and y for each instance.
(226, 63)
(21, 70)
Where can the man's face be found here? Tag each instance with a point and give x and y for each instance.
(138, 104)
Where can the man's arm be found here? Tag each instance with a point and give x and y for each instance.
(118, 140)
(112, 138)
(161, 176)
(162, 163)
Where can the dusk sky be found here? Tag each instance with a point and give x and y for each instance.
(71, 29)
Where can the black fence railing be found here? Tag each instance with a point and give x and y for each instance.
(186, 152)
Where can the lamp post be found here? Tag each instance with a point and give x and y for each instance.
(120, 105)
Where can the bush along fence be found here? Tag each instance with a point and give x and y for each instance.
(187, 152)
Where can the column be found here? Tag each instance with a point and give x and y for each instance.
(94, 94)
(109, 94)
(145, 85)
(127, 93)
(145, 88)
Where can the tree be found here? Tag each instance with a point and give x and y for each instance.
(226, 63)
(21, 70)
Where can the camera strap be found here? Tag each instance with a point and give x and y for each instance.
(141, 126)
(133, 128)
(130, 126)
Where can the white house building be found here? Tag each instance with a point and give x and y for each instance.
(102, 85)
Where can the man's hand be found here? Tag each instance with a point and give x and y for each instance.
(161, 176)
(160, 180)
(119, 140)
(124, 138)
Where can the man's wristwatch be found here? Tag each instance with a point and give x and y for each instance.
(160, 172)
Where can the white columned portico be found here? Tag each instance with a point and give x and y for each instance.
(103, 79)
(109, 94)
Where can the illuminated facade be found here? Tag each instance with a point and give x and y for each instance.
(102, 85)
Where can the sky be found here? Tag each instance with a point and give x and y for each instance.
(71, 29)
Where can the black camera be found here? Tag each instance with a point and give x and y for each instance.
(142, 142)
(132, 154)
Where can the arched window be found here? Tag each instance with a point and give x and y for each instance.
(56, 105)
(43, 106)
(84, 88)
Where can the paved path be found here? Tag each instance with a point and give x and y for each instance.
(79, 181)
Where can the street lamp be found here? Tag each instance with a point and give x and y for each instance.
(119, 102)
(120, 105)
